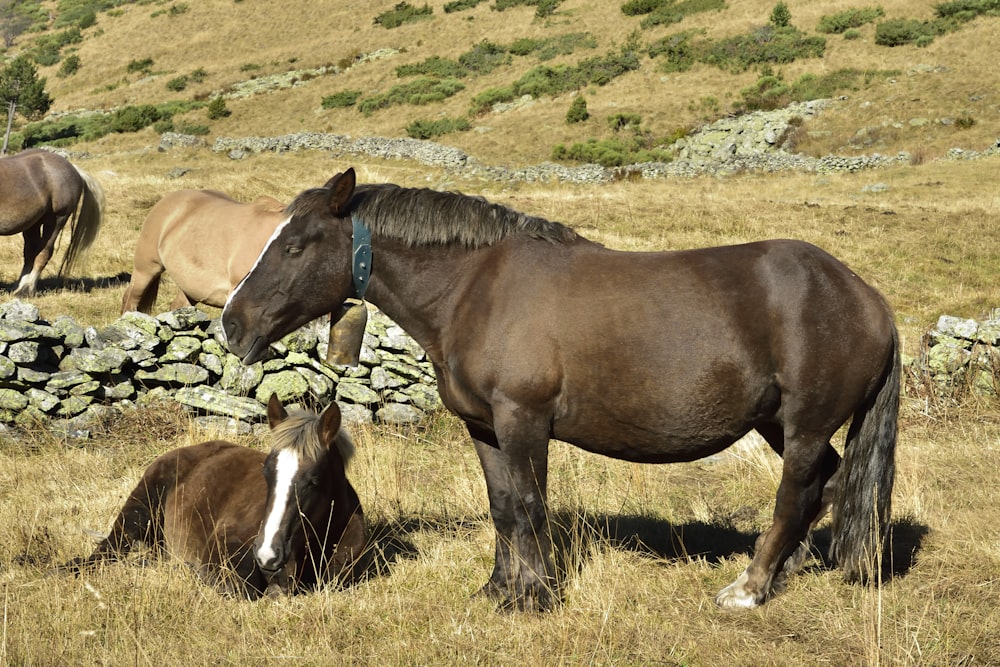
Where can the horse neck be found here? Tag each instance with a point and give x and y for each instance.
(416, 287)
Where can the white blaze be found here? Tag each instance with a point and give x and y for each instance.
(274, 235)
(286, 466)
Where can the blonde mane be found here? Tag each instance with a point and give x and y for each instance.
(299, 432)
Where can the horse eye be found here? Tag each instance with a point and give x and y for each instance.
(292, 250)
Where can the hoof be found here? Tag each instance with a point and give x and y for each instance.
(737, 596)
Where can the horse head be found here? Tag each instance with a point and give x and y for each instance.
(305, 475)
(308, 256)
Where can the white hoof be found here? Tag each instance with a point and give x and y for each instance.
(736, 595)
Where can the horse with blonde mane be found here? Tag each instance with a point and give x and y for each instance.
(205, 240)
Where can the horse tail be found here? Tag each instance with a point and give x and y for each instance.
(863, 501)
(146, 298)
(87, 221)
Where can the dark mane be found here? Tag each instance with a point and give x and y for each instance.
(421, 216)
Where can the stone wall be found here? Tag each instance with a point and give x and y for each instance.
(749, 142)
(960, 356)
(66, 373)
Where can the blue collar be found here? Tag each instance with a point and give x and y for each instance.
(361, 269)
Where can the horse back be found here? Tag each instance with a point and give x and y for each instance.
(206, 240)
(35, 182)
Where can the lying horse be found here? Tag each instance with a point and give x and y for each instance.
(40, 192)
(537, 333)
(298, 524)
(205, 240)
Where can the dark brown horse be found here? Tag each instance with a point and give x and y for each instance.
(205, 240)
(39, 192)
(536, 333)
(297, 523)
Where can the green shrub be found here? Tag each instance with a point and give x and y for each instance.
(577, 112)
(419, 91)
(442, 68)
(427, 129)
(966, 10)
(621, 121)
(134, 118)
(401, 14)
(217, 109)
(550, 47)
(143, 66)
(780, 17)
(677, 12)
(196, 130)
(678, 50)
(70, 66)
(771, 92)
(543, 8)
(178, 84)
(484, 57)
(847, 19)
(897, 32)
(614, 152)
(640, 7)
(460, 5)
(852, 33)
(765, 45)
(484, 101)
(345, 98)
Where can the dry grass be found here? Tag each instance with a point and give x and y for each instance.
(646, 547)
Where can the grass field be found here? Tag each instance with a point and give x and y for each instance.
(646, 547)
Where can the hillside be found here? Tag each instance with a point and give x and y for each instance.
(924, 99)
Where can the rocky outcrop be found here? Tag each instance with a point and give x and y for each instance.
(63, 372)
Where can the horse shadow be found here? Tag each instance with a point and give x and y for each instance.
(575, 536)
(82, 284)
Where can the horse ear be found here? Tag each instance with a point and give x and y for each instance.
(276, 412)
(341, 190)
(330, 423)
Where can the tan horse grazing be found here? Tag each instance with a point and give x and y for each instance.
(39, 192)
(205, 240)
(249, 521)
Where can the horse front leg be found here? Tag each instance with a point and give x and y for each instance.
(523, 575)
(800, 502)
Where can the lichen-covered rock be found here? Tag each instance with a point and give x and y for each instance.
(173, 374)
(289, 385)
(355, 392)
(217, 402)
(239, 379)
(398, 413)
(90, 360)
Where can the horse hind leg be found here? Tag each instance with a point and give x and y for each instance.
(802, 499)
(33, 262)
(143, 288)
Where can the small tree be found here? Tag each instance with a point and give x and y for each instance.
(781, 17)
(21, 91)
(577, 110)
(217, 108)
(12, 22)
